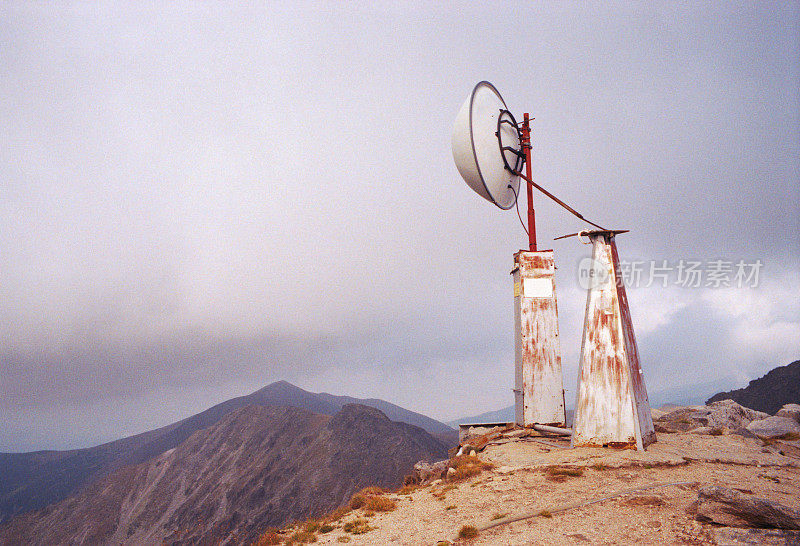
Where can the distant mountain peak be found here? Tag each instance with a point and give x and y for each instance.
(768, 393)
(34, 480)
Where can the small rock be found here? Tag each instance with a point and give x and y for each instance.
(792, 411)
(702, 430)
(730, 508)
(579, 537)
(774, 427)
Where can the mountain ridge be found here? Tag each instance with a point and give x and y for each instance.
(259, 466)
(29, 482)
(768, 393)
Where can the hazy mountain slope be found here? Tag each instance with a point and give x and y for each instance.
(769, 393)
(437, 429)
(258, 467)
(34, 480)
(504, 415)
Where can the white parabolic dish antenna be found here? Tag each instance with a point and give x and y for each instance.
(478, 136)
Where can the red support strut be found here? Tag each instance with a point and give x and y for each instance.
(526, 145)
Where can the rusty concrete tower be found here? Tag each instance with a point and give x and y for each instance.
(539, 388)
(612, 408)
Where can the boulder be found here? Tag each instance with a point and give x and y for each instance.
(792, 411)
(774, 427)
(723, 506)
(425, 473)
(730, 415)
(741, 431)
(725, 414)
(683, 419)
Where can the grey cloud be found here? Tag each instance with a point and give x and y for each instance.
(215, 197)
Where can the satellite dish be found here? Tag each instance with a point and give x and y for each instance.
(487, 147)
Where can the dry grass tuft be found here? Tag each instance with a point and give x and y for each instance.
(380, 504)
(716, 431)
(337, 514)
(358, 526)
(302, 537)
(465, 467)
(407, 489)
(357, 501)
(371, 491)
(467, 532)
(326, 528)
(546, 514)
(561, 473)
(498, 515)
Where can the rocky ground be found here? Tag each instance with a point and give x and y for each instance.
(707, 480)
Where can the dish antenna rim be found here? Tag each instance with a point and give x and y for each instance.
(514, 181)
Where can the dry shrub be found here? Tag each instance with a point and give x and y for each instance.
(312, 526)
(357, 526)
(302, 537)
(790, 436)
(407, 489)
(466, 466)
(357, 501)
(326, 528)
(269, 537)
(546, 514)
(498, 515)
(372, 490)
(343, 538)
(337, 514)
(561, 473)
(467, 532)
(716, 431)
(380, 504)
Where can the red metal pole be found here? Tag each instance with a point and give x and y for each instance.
(526, 145)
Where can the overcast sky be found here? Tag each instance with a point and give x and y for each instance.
(200, 199)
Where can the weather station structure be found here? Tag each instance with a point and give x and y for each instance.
(491, 150)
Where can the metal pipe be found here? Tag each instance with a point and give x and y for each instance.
(552, 430)
(526, 146)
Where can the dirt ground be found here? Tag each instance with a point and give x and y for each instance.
(520, 484)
